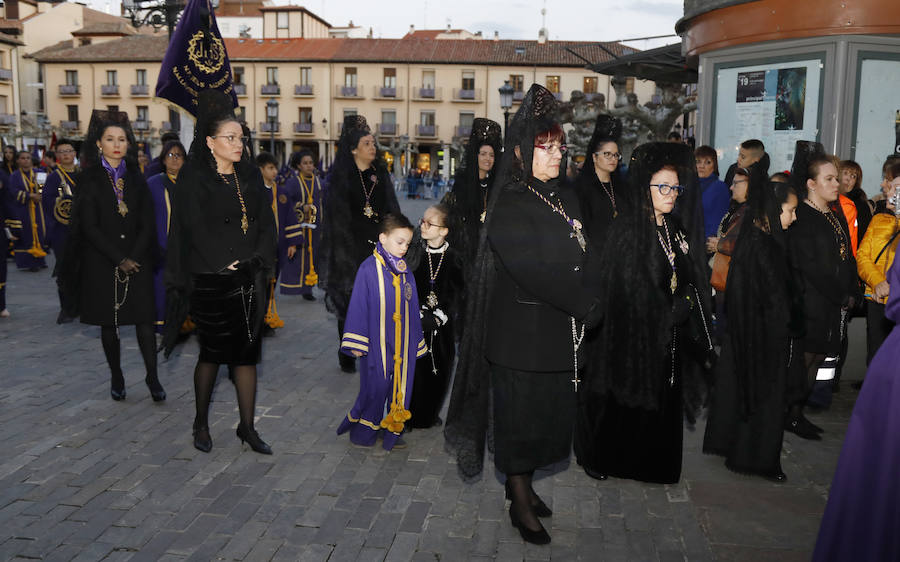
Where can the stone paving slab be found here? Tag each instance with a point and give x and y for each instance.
(86, 478)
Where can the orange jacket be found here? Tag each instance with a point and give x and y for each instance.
(849, 209)
(880, 230)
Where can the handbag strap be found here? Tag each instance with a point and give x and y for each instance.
(891, 239)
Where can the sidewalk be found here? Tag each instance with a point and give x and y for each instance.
(86, 478)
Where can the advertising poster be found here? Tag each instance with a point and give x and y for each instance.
(790, 99)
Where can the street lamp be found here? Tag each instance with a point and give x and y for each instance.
(506, 97)
(272, 114)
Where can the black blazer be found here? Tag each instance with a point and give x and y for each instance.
(538, 284)
(826, 281)
(205, 233)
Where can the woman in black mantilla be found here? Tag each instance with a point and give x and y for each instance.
(526, 315)
(472, 186)
(107, 266)
(221, 255)
(759, 367)
(654, 325)
(359, 193)
(598, 183)
(438, 268)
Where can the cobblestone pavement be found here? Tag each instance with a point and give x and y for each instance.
(86, 478)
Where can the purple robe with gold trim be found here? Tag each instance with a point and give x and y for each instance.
(26, 223)
(370, 328)
(299, 277)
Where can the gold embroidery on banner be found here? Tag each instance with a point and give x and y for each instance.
(208, 58)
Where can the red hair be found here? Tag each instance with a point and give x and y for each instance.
(554, 134)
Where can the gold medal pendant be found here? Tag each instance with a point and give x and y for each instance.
(483, 216)
(431, 300)
(673, 284)
(123, 208)
(244, 224)
(368, 211)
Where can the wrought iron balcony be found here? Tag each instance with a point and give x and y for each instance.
(70, 125)
(267, 127)
(426, 131)
(6, 75)
(168, 126)
(467, 95)
(240, 89)
(69, 90)
(140, 125)
(270, 90)
(463, 131)
(140, 90)
(109, 89)
(303, 90)
(303, 128)
(387, 129)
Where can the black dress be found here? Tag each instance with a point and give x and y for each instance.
(104, 239)
(826, 274)
(617, 439)
(760, 368)
(537, 292)
(205, 237)
(600, 204)
(439, 319)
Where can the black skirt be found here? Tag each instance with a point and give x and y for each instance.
(224, 312)
(534, 417)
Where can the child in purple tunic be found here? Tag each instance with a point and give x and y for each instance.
(383, 329)
(862, 518)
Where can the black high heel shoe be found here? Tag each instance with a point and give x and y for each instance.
(540, 508)
(117, 387)
(157, 392)
(202, 439)
(534, 537)
(253, 439)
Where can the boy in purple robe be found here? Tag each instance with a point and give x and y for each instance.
(384, 330)
(27, 221)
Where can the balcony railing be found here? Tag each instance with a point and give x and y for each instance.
(267, 127)
(240, 89)
(7, 119)
(69, 90)
(139, 125)
(169, 126)
(70, 125)
(109, 89)
(355, 92)
(426, 131)
(467, 95)
(270, 90)
(303, 128)
(303, 90)
(463, 131)
(387, 129)
(6, 75)
(140, 90)
(426, 94)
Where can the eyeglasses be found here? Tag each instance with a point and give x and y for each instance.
(428, 224)
(232, 139)
(610, 155)
(176, 155)
(551, 148)
(665, 189)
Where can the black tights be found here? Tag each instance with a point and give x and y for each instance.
(523, 498)
(812, 362)
(244, 383)
(112, 349)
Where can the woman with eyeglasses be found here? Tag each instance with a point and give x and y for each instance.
(598, 182)
(220, 258)
(162, 188)
(527, 312)
(654, 327)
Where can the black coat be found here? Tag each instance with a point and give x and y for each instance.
(539, 280)
(826, 281)
(105, 238)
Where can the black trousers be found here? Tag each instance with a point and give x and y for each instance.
(877, 328)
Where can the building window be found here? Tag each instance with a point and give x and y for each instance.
(390, 77)
(305, 76)
(238, 72)
(465, 120)
(306, 115)
(84, 41)
(40, 100)
(112, 78)
(71, 79)
(426, 119)
(241, 113)
(388, 117)
(517, 81)
(468, 80)
(349, 112)
(272, 75)
(140, 77)
(143, 113)
(428, 79)
(3, 101)
(174, 119)
(281, 20)
(629, 84)
(112, 108)
(40, 72)
(553, 84)
(590, 85)
(350, 76)
(72, 112)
